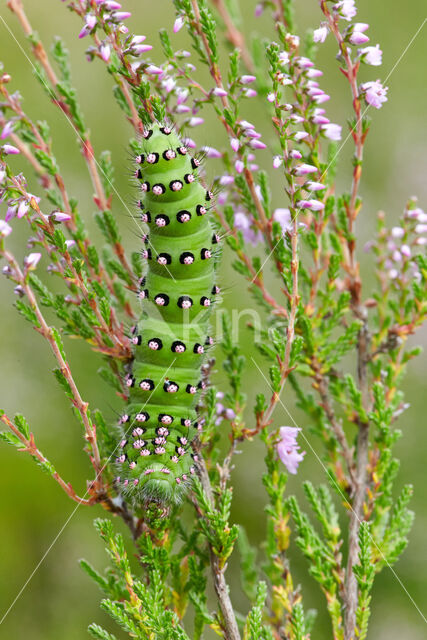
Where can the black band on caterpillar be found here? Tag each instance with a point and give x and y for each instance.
(154, 460)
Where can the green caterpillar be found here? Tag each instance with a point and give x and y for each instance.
(155, 460)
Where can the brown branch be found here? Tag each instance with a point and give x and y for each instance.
(29, 446)
(78, 402)
(234, 35)
(218, 571)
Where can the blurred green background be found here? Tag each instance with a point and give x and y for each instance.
(36, 518)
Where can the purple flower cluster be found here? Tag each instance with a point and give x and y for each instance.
(288, 449)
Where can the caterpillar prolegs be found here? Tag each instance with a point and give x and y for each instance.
(155, 459)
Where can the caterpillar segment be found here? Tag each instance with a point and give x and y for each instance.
(155, 460)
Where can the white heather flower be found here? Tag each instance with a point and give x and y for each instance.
(5, 229)
(361, 26)
(375, 93)
(397, 232)
(22, 209)
(405, 250)
(371, 55)
(300, 135)
(283, 57)
(31, 261)
(194, 122)
(271, 97)
(319, 35)
(421, 228)
(277, 161)
(346, 8)
(332, 131)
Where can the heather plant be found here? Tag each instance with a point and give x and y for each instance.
(339, 348)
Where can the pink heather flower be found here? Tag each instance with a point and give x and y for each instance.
(105, 52)
(9, 149)
(397, 232)
(247, 79)
(31, 261)
(22, 209)
(2, 175)
(251, 133)
(346, 9)
(60, 216)
(137, 40)
(194, 122)
(332, 131)
(182, 108)
(189, 142)
(319, 35)
(226, 180)
(250, 93)
(257, 144)
(295, 154)
(421, 228)
(70, 243)
(178, 24)
(314, 186)
(304, 63)
(90, 22)
(111, 5)
(271, 97)
(393, 274)
(243, 223)
(314, 205)
(118, 16)
(375, 93)
(246, 125)
(235, 144)
(361, 26)
(153, 70)
(259, 10)
(283, 217)
(300, 135)
(396, 256)
(277, 161)
(357, 37)
(10, 213)
(239, 166)
(7, 130)
(314, 73)
(322, 98)
(288, 449)
(229, 414)
(371, 55)
(405, 251)
(320, 120)
(137, 49)
(5, 229)
(181, 95)
(211, 152)
(305, 169)
(221, 93)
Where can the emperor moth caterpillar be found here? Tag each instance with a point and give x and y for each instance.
(155, 459)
